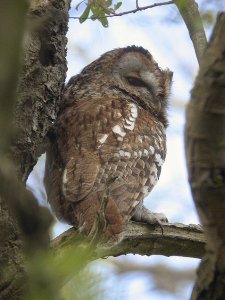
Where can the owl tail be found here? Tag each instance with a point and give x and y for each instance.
(99, 217)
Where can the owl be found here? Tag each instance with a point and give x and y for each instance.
(108, 144)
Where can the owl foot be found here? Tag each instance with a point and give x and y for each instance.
(142, 214)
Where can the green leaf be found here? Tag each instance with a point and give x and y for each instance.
(104, 22)
(108, 3)
(85, 14)
(117, 5)
(96, 12)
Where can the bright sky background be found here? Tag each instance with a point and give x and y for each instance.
(169, 43)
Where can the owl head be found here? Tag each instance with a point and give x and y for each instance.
(131, 73)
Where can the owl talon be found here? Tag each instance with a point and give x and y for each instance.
(159, 223)
(142, 214)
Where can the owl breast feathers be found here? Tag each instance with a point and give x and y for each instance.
(109, 143)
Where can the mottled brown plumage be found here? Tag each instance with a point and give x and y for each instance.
(109, 143)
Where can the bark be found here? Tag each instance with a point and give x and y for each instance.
(205, 151)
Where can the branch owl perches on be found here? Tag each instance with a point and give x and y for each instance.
(109, 143)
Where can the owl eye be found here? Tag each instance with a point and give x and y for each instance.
(135, 81)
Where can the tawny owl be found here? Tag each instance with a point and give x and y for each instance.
(109, 143)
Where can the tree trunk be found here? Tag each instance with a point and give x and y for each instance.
(205, 150)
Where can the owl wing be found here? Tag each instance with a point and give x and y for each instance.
(98, 132)
(133, 157)
(79, 176)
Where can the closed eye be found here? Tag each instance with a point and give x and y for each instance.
(135, 81)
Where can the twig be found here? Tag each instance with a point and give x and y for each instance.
(130, 11)
(190, 14)
(137, 5)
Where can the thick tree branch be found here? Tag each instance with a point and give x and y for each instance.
(177, 240)
(190, 14)
(205, 151)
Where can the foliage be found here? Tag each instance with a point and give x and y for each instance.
(49, 272)
(98, 10)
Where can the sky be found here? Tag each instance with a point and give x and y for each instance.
(163, 33)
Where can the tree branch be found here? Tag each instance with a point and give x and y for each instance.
(177, 240)
(190, 14)
(133, 11)
(205, 152)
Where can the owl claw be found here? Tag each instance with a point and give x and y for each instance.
(142, 214)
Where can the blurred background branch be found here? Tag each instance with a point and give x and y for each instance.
(165, 278)
(189, 12)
